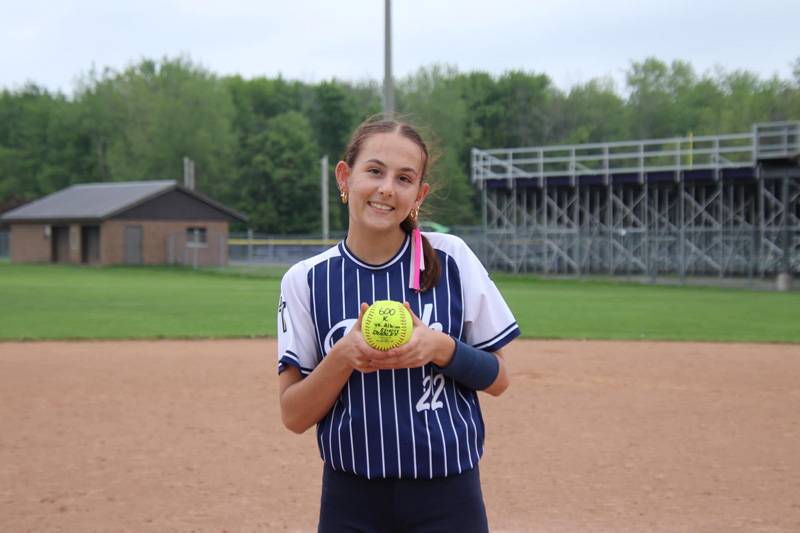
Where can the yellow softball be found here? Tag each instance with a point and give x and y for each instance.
(386, 325)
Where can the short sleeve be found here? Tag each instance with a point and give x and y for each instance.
(296, 333)
(489, 324)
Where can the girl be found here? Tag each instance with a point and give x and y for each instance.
(400, 432)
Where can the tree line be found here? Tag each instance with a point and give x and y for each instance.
(257, 142)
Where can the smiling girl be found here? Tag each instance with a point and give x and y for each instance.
(400, 432)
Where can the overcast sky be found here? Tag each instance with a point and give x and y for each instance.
(53, 42)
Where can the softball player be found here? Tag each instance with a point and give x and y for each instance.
(400, 432)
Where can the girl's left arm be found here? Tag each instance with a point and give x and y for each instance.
(502, 381)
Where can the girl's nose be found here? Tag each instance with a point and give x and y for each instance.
(386, 187)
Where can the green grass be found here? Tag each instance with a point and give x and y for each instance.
(64, 302)
(610, 310)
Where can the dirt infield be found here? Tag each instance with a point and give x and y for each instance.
(591, 436)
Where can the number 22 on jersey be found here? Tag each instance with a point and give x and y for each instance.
(432, 387)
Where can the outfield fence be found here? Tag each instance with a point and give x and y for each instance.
(263, 249)
(676, 254)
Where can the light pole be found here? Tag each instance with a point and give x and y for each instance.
(323, 176)
(388, 83)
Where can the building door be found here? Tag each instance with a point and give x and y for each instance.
(90, 244)
(133, 245)
(59, 240)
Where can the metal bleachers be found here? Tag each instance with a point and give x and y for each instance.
(726, 205)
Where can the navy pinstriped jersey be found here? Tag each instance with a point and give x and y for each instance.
(409, 423)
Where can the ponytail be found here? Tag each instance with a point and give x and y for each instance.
(429, 277)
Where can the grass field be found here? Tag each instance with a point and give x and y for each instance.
(65, 302)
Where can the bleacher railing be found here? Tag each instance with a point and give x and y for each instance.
(773, 140)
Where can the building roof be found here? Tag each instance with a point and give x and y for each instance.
(99, 201)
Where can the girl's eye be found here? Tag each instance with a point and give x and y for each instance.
(374, 171)
(406, 179)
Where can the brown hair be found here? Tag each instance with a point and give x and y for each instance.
(375, 125)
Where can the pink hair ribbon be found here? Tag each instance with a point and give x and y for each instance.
(417, 259)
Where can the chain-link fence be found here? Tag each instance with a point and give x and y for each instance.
(286, 250)
(258, 248)
(740, 273)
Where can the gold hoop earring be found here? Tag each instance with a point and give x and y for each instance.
(343, 196)
(413, 214)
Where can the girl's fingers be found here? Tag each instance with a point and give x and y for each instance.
(389, 365)
(414, 318)
(403, 349)
(361, 311)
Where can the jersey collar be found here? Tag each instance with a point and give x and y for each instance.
(345, 251)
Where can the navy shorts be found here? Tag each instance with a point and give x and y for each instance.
(354, 503)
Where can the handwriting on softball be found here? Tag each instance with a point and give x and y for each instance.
(343, 327)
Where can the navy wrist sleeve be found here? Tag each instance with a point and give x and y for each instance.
(472, 367)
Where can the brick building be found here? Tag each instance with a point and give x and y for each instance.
(131, 223)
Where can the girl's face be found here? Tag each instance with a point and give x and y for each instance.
(385, 183)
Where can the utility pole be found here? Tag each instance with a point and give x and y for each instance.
(388, 82)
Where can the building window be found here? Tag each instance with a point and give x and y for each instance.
(196, 236)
